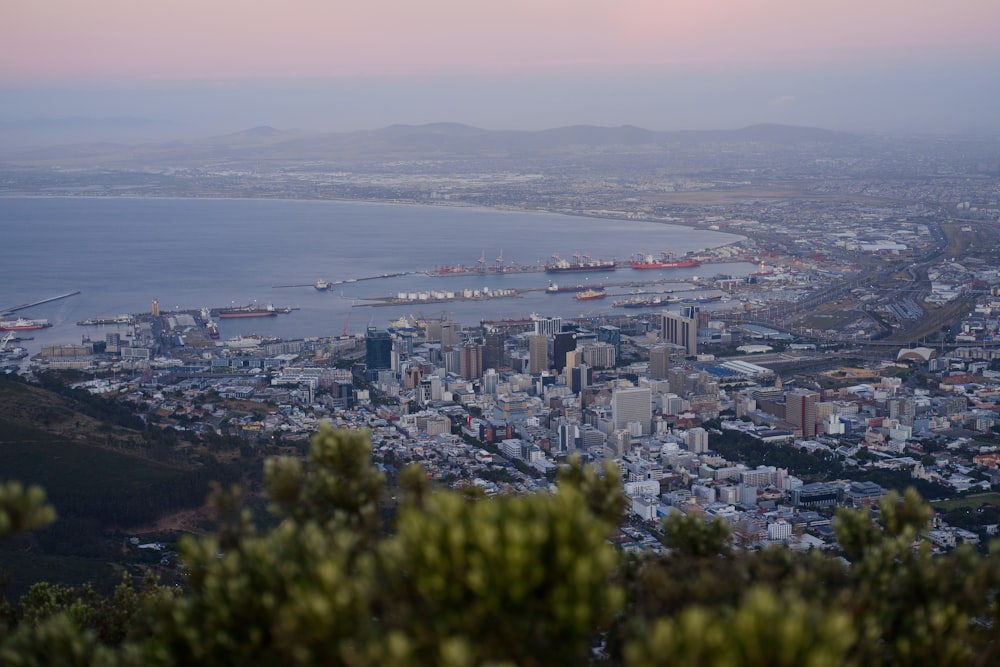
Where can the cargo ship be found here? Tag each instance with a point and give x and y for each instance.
(246, 311)
(557, 289)
(589, 294)
(119, 319)
(21, 324)
(646, 302)
(213, 331)
(666, 260)
(580, 264)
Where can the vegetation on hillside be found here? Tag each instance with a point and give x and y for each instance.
(460, 579)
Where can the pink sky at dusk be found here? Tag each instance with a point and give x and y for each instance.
(140, 40)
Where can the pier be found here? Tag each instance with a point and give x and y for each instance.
(23, 306)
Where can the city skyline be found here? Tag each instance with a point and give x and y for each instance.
(330, 66)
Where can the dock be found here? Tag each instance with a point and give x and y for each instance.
(23, 306)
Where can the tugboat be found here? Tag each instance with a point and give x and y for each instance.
(589, 294)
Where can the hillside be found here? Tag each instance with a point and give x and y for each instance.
(102, 470)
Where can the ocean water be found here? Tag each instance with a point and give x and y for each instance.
(120, 254)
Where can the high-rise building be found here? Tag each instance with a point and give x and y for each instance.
(547, 326)
(471, 361)
(904, 409)
(562, 343)
(569, 435)
(581, 376)
(493, 349)
(452, 358)
(432, 331)
(538, 353)
(800, 409)
(632, 405)
(659, 362)
(612, 336)
(680, 330)
(599, 355)
(697, 440)
(449, 333)
(490, 381)
(378, 349)
(573, 359)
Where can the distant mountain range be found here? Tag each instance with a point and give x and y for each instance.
(435, 140)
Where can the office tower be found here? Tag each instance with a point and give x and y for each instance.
(581, 376)
(538, 353)
(490, 382)
(412, 377)
(450, 333)
(569, 435)
(904, 409)
(433, 331)
(659, 362)
(632, 405)
(573, 359)
(452, 359)
(471, 361)
(547, 326)
(599, 355)
(612, 336)
(493, 349)
(697, 440)
(378, 349)
(680, 330)
(800, 409)
(156, 307)
(562, 343)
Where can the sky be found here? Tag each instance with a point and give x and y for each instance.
(855, 65)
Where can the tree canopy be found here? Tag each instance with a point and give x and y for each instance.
(455, 578)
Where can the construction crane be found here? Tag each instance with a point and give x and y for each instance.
(343, 332)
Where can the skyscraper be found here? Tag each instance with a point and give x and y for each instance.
(538, 354)
(471, 361)
(612, 336)
(632, 405)
(561, 344)
(493, 349)
(800, 409)
(547, 326)
(378, 349)
(680, 330)
(600, 355)
(581, 376)
(659, 362)
(697, 440)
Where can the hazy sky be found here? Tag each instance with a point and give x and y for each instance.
(931, 65)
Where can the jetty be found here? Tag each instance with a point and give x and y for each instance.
(23, 306)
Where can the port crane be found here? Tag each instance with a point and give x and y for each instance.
(343, 332)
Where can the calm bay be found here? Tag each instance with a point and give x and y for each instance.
(120, 254)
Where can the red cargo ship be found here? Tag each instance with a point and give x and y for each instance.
(664, 261)
(21, 324)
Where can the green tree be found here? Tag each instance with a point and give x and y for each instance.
(460, 579)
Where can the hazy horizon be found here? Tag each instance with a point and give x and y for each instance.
(855, 67)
